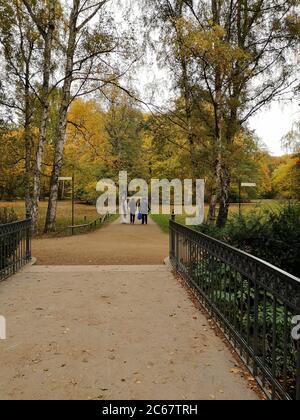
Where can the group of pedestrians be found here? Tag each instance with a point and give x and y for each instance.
(135, 209)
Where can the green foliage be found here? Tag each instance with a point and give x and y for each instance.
(234, 296)
(271, 234)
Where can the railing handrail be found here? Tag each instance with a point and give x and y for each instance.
(85, 224)
(17, 222)
(237, 251)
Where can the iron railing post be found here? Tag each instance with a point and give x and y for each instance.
(298, 357)
(28, 240)
(255, 338)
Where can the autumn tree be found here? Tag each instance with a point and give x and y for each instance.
(123, 127)
(87, 150)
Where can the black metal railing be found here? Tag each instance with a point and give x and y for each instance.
(15, 247)
(252, 301)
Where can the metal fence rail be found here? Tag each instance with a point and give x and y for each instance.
(253, 302)
(15, 247)
(86, 227)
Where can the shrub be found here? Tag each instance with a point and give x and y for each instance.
(272, 235)
(7, 216)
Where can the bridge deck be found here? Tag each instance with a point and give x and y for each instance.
(110, 333)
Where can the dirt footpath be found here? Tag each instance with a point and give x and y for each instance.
(114, 244)
(110, 333)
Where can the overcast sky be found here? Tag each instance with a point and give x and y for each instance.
(273, 123)
(270, 124)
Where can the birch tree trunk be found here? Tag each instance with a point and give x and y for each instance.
(62, 123)
(28, 147)
(44, 99)
(217, 105)
(185, 86)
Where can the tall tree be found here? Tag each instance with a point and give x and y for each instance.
(45, 24)
(19, 46)
(237, 47)
(87, 50)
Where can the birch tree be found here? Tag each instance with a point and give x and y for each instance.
(19, 46)
(87, 69)
(244, 52)
(46, 28)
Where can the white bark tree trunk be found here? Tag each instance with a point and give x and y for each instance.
(44, 99)
(62, 123)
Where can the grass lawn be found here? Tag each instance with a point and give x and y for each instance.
(83, 213)
(163, 220)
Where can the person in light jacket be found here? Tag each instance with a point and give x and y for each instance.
(132, 208)
(124, 210)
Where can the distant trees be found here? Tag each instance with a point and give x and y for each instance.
(287, 176)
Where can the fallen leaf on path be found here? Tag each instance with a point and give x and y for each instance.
(235, 371)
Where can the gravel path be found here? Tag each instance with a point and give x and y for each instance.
(114, 244)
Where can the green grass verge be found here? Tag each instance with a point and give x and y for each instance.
(163, 220)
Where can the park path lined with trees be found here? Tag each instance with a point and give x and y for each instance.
(111, 332)
(72, 106)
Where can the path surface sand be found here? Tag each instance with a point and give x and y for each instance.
(114, 244)
(110, 333)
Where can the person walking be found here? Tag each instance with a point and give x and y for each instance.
(144, 209)
(132, 208)
(124, 210)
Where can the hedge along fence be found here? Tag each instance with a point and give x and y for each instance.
(253, 302)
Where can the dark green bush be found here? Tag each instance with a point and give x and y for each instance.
(272, 235)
